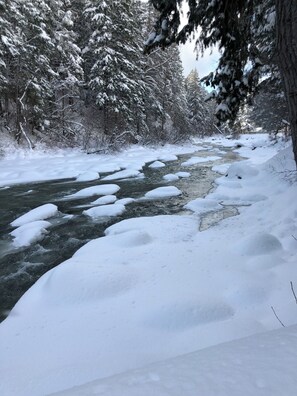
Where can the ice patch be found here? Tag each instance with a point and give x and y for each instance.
(40, 213)
(105, 210)
(29, 233)
(103, 189)
(163, 192)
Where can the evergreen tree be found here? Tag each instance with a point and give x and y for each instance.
(113, 76)
(200, 113)
(231, 26)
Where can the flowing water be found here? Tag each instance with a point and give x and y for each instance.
(20, 268)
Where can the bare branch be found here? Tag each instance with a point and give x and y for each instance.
(293, 291)
(277, 317)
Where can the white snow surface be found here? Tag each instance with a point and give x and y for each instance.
(106, 199)
(102, 189)
(199, 160)
(157, 164)
(29, 233)
(22, 166)
(105, 210)
(40, 213)
(163, 192)
(155, 293)
(88, 176)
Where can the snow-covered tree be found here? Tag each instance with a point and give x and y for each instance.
(231, 26)
(112, 50)
(200, 111)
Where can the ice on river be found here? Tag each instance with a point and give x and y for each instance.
(40, 213)
(103, 189)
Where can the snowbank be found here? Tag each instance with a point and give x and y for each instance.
(155, 288)
(260, 365)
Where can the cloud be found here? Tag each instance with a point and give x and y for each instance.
(204, 65)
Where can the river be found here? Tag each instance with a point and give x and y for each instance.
(21, 267)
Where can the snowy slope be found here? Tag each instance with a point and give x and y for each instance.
(155, 288)
(260, 365)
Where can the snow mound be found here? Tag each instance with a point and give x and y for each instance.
(168, 157)
(241, 171)
(88, 176)
(258, 244)
(105, 210)
(201, 205)
(106, 199)
(29, 233)
(125, 201)
(123, 174)
(40, 213)
(103, 189)
(163, 192)
(170, 177)
(157, 164)
(183, 174)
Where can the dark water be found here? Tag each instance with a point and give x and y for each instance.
(20, 268)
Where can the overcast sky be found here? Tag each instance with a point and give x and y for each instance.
(204, 65)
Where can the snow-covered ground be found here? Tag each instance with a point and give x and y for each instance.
(156, 288)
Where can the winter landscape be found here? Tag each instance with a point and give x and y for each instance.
(148, 220)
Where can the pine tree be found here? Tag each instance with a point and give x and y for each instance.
(113, 76)
(199, 110)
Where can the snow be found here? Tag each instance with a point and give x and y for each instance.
(40, 213)
(163, 192)
(123, 174)
(107, 199)
(88, 176)
(199, 160)
(170, 177)
(260, 365)
(103, 189)
(157, 164)
(183, 174)
(24, 166)
(29, 233)
(105, 210)
(157, 307)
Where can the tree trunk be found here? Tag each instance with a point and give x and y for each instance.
(286, 45)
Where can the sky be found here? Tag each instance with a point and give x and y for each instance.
(204, 65)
